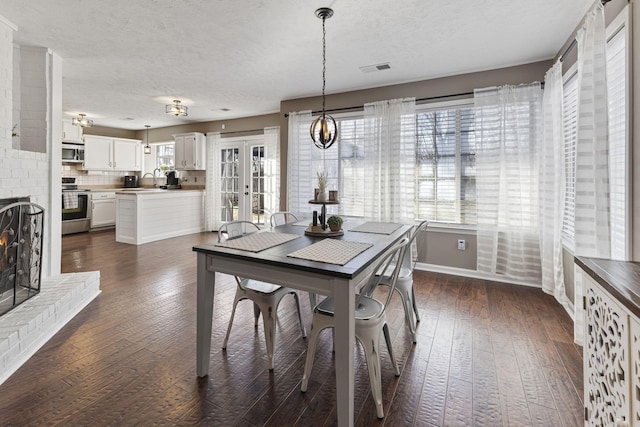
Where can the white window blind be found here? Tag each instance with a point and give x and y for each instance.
(446, 172)
(616, 94)
(570, 125)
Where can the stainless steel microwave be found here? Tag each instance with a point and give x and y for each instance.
(72, 153)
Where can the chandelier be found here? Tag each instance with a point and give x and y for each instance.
(324, 131)
(82, 121)
(176, 109)
(147, 148)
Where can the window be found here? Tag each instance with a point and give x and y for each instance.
(570, 131)
(445, 169)
(616, 95)
(162, 157)
(617, 90)
(165, 156)
(344, 163)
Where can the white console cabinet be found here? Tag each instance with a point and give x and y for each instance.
(611, 347)
(112, 154)
(190, 151)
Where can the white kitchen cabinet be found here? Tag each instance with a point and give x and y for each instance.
(113, 154)
(103, 209)
(71, 133)
(190, 151)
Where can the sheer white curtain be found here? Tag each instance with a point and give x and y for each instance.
(271, 171)
(212, 207)
(301, 177)
(508, 129)
(592, 227)
(390, 159)
(552, 182)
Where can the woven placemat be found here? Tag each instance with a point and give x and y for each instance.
(331, 251)
(257, 242)
(377, 227)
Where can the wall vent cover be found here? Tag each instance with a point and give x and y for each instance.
(376, 67)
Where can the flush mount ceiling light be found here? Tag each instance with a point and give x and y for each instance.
(324, 131)
(147, 148)
(176, 109)
(82, 121)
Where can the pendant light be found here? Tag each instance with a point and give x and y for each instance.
(147, 148)
(176, 109)
(82, 121)
(324, 130)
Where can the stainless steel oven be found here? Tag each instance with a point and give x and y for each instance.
(76, 208)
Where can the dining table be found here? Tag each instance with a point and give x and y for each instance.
(285, 255)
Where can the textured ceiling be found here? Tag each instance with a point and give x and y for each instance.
(125, 59)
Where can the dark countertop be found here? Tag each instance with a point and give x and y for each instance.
(620, 278)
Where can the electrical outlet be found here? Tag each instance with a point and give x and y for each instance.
(462, 245)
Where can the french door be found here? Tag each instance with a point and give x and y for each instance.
(242, 182)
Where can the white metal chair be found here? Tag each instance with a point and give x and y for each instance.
(265, 296)
(404, 284)
(280, 218)
(370, 321)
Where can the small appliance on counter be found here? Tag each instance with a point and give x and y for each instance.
(173, 181)
(130, 181)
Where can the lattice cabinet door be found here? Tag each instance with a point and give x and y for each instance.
(606, 359)
(635, 371)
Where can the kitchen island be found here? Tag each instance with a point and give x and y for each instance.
(146, 215)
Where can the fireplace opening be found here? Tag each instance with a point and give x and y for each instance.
(21, 240)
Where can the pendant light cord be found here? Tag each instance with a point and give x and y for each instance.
(324, 62)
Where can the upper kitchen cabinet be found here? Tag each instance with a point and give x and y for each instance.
(71, 133)
(112, 154)
(190, 151)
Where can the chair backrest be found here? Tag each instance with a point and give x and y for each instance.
(390, 261)
(416, 230)
(280, 218)
(236, 229)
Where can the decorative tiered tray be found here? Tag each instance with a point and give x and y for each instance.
(325, 233)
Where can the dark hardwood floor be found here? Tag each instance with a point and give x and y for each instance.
(488, 354)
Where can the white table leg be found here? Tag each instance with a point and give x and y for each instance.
(344, 297)
(206, 286)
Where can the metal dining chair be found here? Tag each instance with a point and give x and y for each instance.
(404, 284)
(265, 296)
(370, 321)
(281, 218)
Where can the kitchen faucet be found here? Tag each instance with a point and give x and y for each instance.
(153, 175)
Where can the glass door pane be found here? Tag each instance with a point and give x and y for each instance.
(229, 183)
(257, 184)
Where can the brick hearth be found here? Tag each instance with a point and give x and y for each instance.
(29, 326)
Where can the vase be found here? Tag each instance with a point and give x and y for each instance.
(322, 196)
(334, 227)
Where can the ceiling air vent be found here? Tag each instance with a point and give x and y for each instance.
(377, 67)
